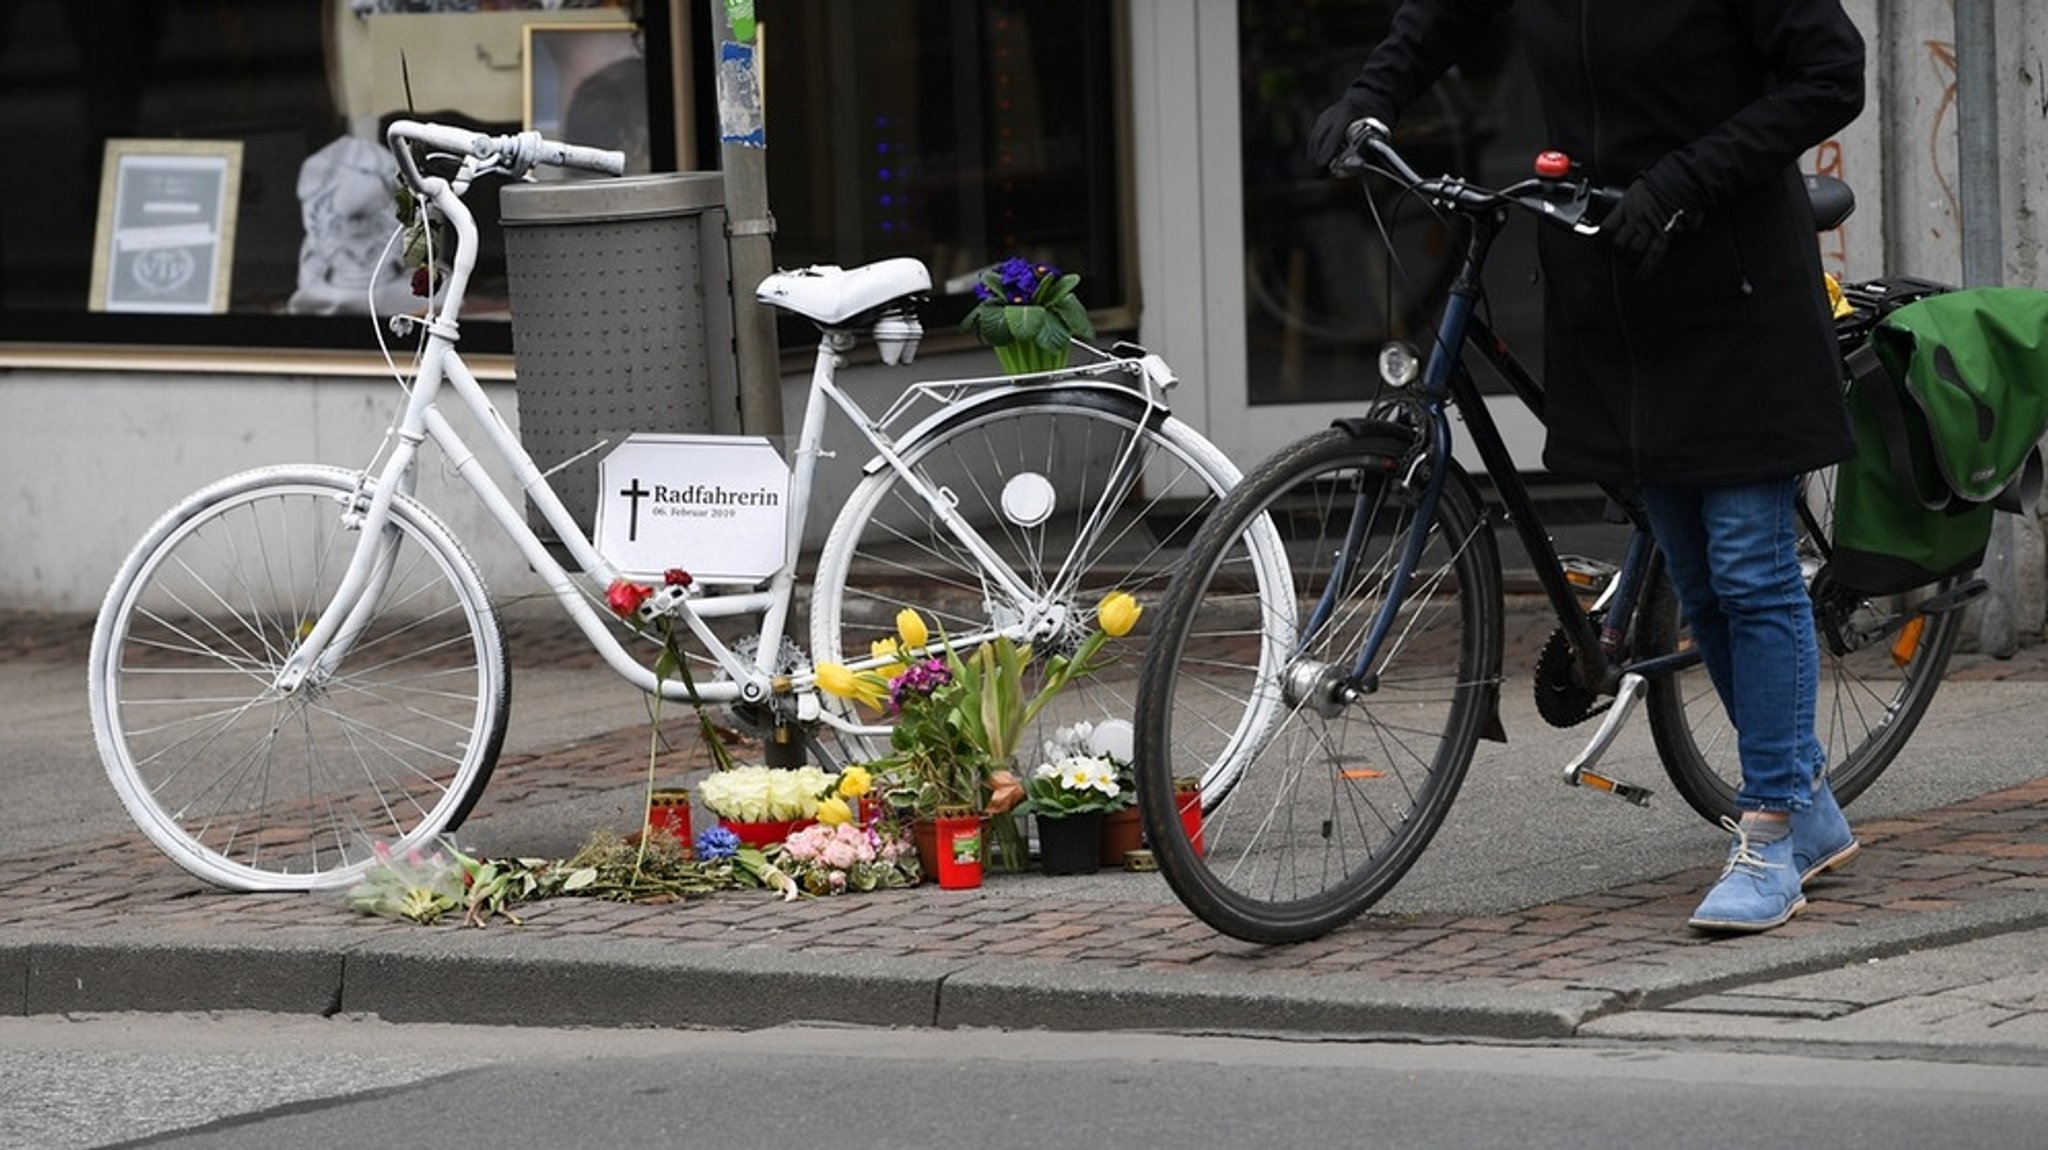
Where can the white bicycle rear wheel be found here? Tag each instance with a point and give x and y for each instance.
(1079, 492)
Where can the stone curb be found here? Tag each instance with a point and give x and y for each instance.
(498, 977)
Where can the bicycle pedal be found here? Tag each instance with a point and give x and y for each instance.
(1640, 796)
(1580, 773)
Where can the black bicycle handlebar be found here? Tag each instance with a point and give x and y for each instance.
(1559, 198)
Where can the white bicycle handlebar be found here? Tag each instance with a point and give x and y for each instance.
(515, 155)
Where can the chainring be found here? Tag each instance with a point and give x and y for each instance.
(1561, 698)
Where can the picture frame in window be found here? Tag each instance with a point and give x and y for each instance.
(587, 84)
(165, 240)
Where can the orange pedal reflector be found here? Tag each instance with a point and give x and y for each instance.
(1908, 643)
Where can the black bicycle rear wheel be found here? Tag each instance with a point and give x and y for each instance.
(1321, 808)
(1881, 662)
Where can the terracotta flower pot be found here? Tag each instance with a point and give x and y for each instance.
(1122, 832)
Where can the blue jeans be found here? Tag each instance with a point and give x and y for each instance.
(1731, 554)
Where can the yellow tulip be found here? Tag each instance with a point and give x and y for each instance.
(855, 782)
(833, 811)
(1118, 613)
(839, 680)
(889, 657)
(910, 625)
(1837, 302)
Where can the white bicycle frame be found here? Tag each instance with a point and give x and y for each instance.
(356, 598)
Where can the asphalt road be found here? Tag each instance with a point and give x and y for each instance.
(261, 1081)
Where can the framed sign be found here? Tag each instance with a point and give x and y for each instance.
(715, 505)
(166, 236)
(587, 84)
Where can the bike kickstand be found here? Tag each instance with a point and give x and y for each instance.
(1579, 772)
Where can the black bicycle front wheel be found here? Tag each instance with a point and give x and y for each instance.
(1322, 807)
(1881, 661)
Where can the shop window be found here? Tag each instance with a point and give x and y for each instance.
(1328, 281)
(285, 98)
(958, 131)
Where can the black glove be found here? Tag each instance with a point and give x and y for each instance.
(1328, 138)
(1640, 227)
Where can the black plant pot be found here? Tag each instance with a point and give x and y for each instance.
(1070, 845)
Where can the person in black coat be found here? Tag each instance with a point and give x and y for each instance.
(1689, 350)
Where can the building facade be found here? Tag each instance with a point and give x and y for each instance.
(1154, 146)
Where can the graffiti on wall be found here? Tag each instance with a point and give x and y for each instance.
(1941, 57)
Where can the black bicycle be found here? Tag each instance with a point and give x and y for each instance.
(1332, 742)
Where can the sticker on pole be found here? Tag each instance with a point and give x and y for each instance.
(714, 505)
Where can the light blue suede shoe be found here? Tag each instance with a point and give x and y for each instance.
(1758, 889)
(1821, 838)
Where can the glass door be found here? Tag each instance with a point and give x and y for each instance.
(1332, 269)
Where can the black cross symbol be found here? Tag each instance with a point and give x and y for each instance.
(634, 493)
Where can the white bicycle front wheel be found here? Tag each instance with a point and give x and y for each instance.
(255, 787)
(1078, 492)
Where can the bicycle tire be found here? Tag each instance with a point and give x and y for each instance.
(886, 551)
(1333, 800)
(255, 789)
(1871, 695)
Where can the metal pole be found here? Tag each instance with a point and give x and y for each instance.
(750, 226)
(1976, 31)
(1977, 141)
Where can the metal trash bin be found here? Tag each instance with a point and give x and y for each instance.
(621, 319)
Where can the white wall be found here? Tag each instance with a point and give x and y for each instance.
(89, 460)
(93, 458)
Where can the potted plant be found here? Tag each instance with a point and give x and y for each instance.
(763, 805)
(1028, 313)
(959, 720)
(1122, 829)
(1069, 796)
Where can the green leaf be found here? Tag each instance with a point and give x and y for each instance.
(995, 328)
(1053, 291)
(580, 878)
(1073, 317)
(1026, 323)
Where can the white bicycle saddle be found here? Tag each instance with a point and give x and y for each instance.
(831, 295)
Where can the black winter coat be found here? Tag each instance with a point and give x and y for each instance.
(1720, 368)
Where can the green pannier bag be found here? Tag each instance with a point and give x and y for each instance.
(1949, 400)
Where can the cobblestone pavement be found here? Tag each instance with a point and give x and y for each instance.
(1964, 869)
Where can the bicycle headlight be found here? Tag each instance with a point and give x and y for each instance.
(1399, 365)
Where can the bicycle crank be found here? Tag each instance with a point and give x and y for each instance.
(1579, 772)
